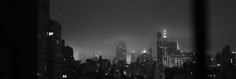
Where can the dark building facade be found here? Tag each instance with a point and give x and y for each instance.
(172, 48)
(4, 65)
(45, 65)
(226, 67)
(49, 44)
(67, 61)
(49, 41)
(145, 64)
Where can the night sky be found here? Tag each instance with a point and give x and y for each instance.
(222, 30)
(90, 26)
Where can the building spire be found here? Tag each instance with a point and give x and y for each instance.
(178, 46)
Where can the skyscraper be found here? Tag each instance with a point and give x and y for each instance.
(159, 49)
(49, 46)
(161, 52)
(121, 50)
(133, 58)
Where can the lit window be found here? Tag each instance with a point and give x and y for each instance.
(231, 61)
(234, 52)
(57, 42)
(144, 51)
(37, 74)
(64, 76)
(164, 37)
(214, 75)
(50, 33)
(132, 51)
(106, 73)
(212, 59)
(125, 73)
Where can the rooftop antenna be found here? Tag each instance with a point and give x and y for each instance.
(164, 31)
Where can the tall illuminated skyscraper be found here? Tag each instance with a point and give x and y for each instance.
(121, 50)
(160, 54)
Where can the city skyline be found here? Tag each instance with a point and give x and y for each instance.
(92, 26)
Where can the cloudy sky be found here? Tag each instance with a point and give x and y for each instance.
(90, 26)
(222, 24)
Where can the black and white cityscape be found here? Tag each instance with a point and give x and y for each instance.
(126, 39)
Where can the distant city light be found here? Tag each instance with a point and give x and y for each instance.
(212, 59)
(218, 65)
(57, 42)
(128, 59)
(144, 51)
(231, 60)
(164, 36)
(234, 52)
(64, 76)
(106, 73)
(125, 73)
(132, 51)
(50, 33)
(145, 76)
(214, 75)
